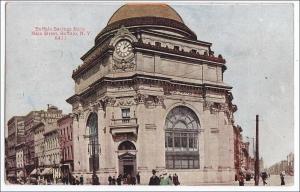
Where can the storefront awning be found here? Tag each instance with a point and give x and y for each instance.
(11, 175)
(47, 171)
(33, 172)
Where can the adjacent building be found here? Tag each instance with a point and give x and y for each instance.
(65, 130)
(150, 95)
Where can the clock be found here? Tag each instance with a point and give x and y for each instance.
(123, 48)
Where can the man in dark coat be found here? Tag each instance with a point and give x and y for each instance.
(109, 180)
(282, 174)
(113, 181)
(175, 179)
(119, 179)
(81, 180)
(154, 180)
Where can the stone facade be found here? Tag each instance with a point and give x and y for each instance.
(152, 98)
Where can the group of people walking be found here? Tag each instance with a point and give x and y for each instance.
(128, 179)
(163, 179)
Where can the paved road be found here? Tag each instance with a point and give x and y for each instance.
(274, 180)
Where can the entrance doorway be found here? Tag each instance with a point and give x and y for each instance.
(127, 164)
(127, 160)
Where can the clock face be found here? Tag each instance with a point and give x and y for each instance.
(123, 48)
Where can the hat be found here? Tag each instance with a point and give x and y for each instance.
(153, 171)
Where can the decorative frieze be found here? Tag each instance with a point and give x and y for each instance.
(149, 100)
(107, 101)
(125, 101)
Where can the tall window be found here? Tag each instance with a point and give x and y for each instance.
(92, 125)
(181, 139)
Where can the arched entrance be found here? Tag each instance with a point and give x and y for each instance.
(127, 158)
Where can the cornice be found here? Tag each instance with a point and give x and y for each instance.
(143, 78)
(205, 57)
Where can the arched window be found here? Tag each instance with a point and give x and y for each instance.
(92, 126)
(126, 145)
(181, 139)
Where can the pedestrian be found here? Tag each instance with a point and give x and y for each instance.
(138, 178)
(109, 180)
(165, 180)
(264, 177)
(133, 180)
(125, 179)
(77, 180)
(282, 174)
(241, 179)
(113, 181)
(129, 179)
(119, 180)
(154, 180)
(81, 180)
(95, 180)
(170, 176)
(175, 179)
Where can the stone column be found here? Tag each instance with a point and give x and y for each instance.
(101, 136)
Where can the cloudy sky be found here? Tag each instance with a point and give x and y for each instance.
(255, 39)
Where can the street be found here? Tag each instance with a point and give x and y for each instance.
(274, 180)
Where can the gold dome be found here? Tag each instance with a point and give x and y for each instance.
(135, 10)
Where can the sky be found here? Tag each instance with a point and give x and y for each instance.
(255, 39)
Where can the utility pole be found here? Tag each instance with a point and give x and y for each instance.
(257, 153)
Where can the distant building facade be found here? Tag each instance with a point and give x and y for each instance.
(149, 95)
(237, 149)
(39, 148)
(20, 171)
(290, 163)
(15, 136)
(22, 138)
(52, 153)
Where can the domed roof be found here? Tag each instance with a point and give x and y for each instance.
(138, 10)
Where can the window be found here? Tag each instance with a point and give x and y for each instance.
(157, 44)
(193, 51)
(181, 142)
(126, 113)
(176, 48)
(92, 126)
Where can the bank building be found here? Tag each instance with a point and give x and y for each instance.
(149, 95)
